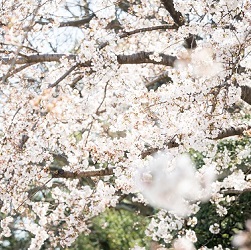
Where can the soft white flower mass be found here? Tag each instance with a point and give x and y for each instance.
(173, 183)
(183, 244)
(125, 104)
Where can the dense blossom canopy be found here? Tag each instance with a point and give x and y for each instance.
(103, 101)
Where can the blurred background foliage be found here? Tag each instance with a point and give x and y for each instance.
(114, 229)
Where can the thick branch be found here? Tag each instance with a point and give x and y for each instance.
(144, 57)
(231, 132)
(76, 80)
(170, 144)
(38, 58)
(233, 191)
(71, 175)
(75, 23)
(190, 41)
(176, 15)
(137, 58)
(246, 94)
(153, 80)
(223, 134)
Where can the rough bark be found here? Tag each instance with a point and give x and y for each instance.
(176, 15)
(246, 94)
(74, 23)
(144, 57)
(71, 175)
(232, 131)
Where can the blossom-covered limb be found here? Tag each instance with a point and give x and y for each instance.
(232, 131)
(159, 27)
(71, 175)
(38, 58)
(141, 30)
(170, 144)
(17, 70)
(144, 57)
(137, 58)
(233, 191)
(74, 23)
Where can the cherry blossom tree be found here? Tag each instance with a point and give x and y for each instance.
(110, 103)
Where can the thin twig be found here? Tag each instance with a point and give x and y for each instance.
(136, 31)
(105, 91)
(63, 76)
(159, 27)
(14, 117)
(73, 23)
(14, 71)
(33, 193)
(13, 60)
(75, 81)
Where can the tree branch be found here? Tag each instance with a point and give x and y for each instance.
(176, 15)
(144, 57)
(75, 23)
(38, 58)
(75, 81)
(129, 33)
(231, 132)
(163, 76)
(64, 75)
(137, 58)
(223, 134)
(190, 41)
(14, 71)
(170, 144)
(71, 175)
(246, 94)
(233, 191)
(159, 27)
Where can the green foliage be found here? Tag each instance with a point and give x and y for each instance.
(121, 229)
(19, 240)
(238, 212)
(197, 157)
(233, 148)
(232, 145)
(114, 229)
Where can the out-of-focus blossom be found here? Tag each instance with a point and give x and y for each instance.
(242, 240)
(173, 183)
(183, 244)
